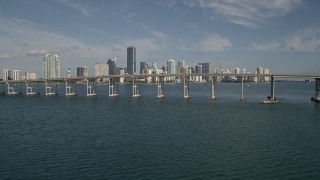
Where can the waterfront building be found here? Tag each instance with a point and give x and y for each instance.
(51, 66)
(101, 69)
(121, 68)
(205, 69)
(181, 64)
(121, 72)
(171, 66)
(266, 71)
(182, 68)
(69, 73)
(262, 70)
(82, 71)
(171, 69)
(198, 70)
(16, 75)
(165, 69)
(131, 60)
(112, 66)
(6, 74)
(30, 76)
(143, 65)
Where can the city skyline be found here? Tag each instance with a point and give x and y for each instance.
(282, 35)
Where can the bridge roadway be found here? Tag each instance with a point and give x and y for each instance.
(49, 89)
(138, 76)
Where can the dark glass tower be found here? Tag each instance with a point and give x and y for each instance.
(205, 69)
(112, 66)
(143, 65)
(131, 60)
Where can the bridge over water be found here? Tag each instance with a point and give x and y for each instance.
(134, 78)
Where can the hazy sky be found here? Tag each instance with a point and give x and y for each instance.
(283, 35)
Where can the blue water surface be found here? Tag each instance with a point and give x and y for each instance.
(122, 137)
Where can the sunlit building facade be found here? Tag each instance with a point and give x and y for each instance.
(51, 66)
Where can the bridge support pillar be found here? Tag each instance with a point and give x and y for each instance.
(271, 99)
(160, 86)
(11, 90)
(49, 90)
(3, 89)
(186, 86)
(316, 97)
(272, 88)
(90, 91)
(241, 98)
(135, 88)
(213, 88)
(113, 88)
(29, 90)
(69, 91)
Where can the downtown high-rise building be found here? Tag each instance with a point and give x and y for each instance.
(171, 68)
(198, 70)
(262, 70)
(143, 66)
(6, 74)
(82, 71)
(69, 73)
(131, 60)
(101, 69)
(205, 69)
(30, 76)
(51, 66)
(112, 66)
(16, 75)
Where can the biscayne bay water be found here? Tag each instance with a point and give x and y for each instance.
(171, 138)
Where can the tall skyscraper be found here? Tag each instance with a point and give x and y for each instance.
(112, 66)
(101, 69)
(171, 68)
(51, 66)
(82, 71)
(131, 60)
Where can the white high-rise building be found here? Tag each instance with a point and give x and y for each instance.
(6, 74)
(121, 73)
(51, 66)
(16, 75)
(171, 68)
(266, 71)
(262, 70)
(101, 69)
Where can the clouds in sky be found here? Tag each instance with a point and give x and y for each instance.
(26, 39)
(5, 56)
(85, 10)
(249, 13)
(86, 32)
(307, 40)
(211, 43)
